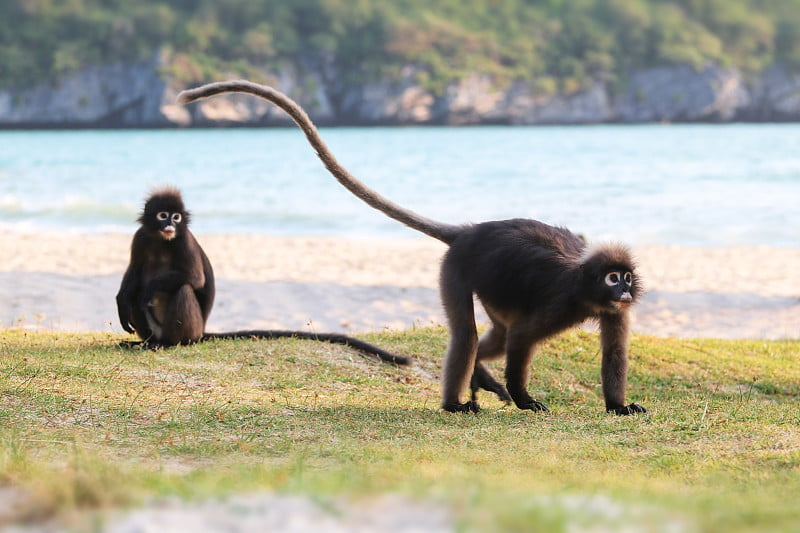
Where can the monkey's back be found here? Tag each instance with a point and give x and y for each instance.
(518, 264)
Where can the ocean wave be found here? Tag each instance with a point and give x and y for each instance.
(71, 211)
(643, 185)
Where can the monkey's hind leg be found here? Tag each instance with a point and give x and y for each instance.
(183, 320)
(491, 346)
(459, 363)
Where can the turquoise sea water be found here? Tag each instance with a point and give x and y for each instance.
(704, 185)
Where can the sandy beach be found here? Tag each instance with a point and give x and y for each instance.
(67, 282)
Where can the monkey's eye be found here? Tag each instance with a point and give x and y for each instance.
(176, 218)
(628, 277)
(612, 279)
(163, 215)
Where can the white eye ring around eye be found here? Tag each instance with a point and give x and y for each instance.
(163, 215)
(628, 278)
(176, 218)
(612, 279)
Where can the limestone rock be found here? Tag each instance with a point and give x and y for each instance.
(681, 93)
(143, 95)
(776, 95)
(117, 95)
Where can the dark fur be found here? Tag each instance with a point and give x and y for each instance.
(167, 291)
(534, 280)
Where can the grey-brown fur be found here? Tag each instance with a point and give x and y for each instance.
(534, 280)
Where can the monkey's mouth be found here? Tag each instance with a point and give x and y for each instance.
(624, 301)
(167, 233)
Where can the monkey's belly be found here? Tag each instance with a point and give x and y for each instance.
(156, 313)
(158, 306)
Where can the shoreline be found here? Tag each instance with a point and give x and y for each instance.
(67, 282)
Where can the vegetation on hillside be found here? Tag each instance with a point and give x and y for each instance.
(562, 44)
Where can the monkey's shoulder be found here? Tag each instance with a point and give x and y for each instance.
(193, 249)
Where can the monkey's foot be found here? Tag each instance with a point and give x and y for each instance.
(498, 389)
(130, 345)
(152, 346)
(533, 405)
(631, 409)
(140, 345)
(136, 345)
(467, 407)
(481, 379)
(501, 394)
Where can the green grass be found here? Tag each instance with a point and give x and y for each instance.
(85, 425)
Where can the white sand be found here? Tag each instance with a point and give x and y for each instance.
(68, 282)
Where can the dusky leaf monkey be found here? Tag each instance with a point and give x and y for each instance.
(534, 280)
(167, 292)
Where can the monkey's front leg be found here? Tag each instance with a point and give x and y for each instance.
(614, 367)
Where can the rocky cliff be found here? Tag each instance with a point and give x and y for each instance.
(140, 95)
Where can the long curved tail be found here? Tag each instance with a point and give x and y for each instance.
(443, 232)
(336, 338)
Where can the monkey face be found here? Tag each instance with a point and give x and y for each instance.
(610, 290)
(164, 215)
(608, 280)
(168, 224)
(618, 289)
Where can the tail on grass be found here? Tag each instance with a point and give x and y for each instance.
(335, 338)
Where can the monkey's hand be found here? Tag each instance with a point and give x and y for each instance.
(631, 409)
(124, 312)
(468, 407)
